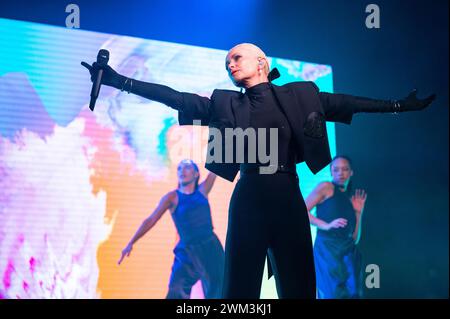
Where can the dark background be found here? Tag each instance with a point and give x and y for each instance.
(401, 160)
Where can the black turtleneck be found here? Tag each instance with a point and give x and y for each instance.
(265, 112)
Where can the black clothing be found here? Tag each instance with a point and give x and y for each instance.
(262, 103)
(304, 107)
(267, 212)
(268, 215)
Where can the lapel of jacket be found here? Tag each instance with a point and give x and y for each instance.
(288, 103)
(286, 98)
(241, 110)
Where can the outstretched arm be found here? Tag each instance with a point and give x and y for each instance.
(165, 203)
(190, 106)
(206, 186)
(341, 107)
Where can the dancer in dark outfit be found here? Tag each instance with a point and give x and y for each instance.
(339, 214)
(267, 211)
(199, 253)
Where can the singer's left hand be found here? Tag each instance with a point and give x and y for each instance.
(412, 103)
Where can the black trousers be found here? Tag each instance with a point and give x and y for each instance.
(268, 215)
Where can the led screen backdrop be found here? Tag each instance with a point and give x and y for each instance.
(75, 185)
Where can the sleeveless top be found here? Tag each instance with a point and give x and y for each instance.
(337, 206)
(192, 217)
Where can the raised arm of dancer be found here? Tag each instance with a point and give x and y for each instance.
(165, 203)
(206, 186)
(358, 202)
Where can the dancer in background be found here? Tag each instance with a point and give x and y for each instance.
(199, 253)
(338, 220)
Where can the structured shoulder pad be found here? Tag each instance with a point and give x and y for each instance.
(304, 85)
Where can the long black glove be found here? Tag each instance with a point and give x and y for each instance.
(151, 91)
(410, 103)
(109, 78)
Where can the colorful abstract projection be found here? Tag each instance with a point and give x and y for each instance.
(75, 185)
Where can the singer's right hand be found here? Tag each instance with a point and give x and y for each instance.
(110, 77)
(126, 252)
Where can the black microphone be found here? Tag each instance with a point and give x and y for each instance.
(102, 60)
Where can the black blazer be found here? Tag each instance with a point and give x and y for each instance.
(306, 110)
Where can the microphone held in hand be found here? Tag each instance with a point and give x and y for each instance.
(102, 60)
